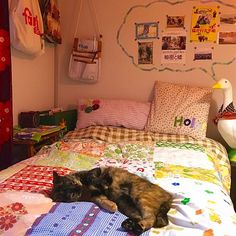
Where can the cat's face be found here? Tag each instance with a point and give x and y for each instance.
(66, 188)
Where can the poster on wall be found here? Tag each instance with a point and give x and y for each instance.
(204, 24)
(175, 21)
(202, 54)
(146, 30)
(145, 53)
(173, 47)
(228, 19)
(227, 37)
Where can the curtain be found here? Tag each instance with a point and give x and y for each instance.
(6, 121)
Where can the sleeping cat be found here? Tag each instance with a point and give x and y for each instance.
(145, 204)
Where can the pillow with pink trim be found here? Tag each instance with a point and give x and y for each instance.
(111, 112)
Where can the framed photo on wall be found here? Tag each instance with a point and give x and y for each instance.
(146, 30)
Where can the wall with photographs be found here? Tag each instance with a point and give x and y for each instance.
(133, 57)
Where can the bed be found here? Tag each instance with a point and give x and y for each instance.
(196, 171)
(201, 204)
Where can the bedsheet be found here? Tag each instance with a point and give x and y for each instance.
(195, 172)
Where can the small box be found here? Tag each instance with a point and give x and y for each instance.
(69, 118)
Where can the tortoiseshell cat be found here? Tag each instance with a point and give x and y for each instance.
(145, 204)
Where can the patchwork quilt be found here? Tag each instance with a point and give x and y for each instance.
(197, 177)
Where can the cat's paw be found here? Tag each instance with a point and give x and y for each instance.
(128, 224)
(109, 205)
(138, 229)
(131, 225)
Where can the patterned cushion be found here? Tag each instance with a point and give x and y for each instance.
(109, 112)
(179, 109)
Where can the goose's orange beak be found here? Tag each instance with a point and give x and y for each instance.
(217, 86)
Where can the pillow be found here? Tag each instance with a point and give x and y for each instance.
(111, 112)
(179, 109)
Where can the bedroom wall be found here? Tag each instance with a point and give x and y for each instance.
(32, 81)
(119, 77)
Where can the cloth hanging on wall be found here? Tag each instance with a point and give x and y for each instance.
(5, 88)
(85, 58)
(51, 21)
(26, 27)
(85, 61)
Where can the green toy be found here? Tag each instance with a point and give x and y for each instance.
(232, 155)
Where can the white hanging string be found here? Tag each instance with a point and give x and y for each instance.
(94, 19)
(77, 21)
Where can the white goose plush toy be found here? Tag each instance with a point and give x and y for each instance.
(226, 119)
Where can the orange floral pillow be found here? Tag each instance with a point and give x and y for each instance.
(179, 109)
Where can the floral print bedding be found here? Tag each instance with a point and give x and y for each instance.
(201, 204)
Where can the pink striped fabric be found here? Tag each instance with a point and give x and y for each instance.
(111, 112)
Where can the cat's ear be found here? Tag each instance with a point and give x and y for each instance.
(93, 175)
(55, 176)
(96, 172)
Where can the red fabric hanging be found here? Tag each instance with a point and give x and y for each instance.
(6, 121)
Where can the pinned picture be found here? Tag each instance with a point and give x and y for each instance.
(175, 21)
(227, 37)
(173, 47)
(145, 53)
(204, 24)
(203, 53)
(174, 42)
(146, 30)
(228, 19)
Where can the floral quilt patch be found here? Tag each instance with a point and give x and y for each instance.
(10, 214)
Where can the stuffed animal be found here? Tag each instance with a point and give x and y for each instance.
(226, 118)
